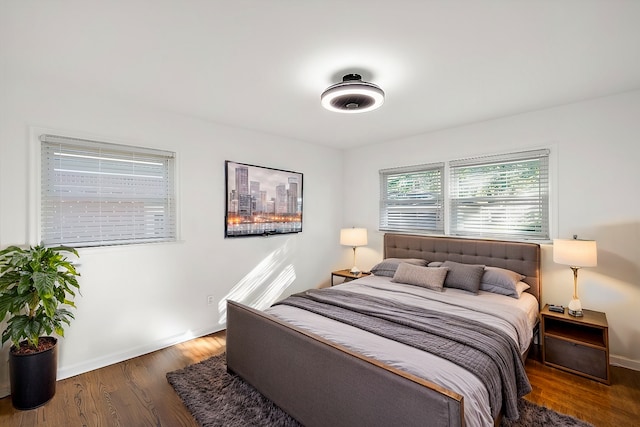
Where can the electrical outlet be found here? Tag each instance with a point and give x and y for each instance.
(210, 300)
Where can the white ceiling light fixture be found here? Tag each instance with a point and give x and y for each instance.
(352, 95)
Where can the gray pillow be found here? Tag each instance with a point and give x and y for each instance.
(463, 276)
(519, 289)
(500, 281)
(426, 277)
(389, 266)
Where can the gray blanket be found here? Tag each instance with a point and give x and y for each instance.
(485, 351)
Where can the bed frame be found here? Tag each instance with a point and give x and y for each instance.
(320, 383)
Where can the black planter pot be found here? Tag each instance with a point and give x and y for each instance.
(33, 377)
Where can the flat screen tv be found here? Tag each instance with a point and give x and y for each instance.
(262, 201)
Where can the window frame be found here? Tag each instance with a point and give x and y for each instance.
(433, 207)
(450, 167)
(169, 211)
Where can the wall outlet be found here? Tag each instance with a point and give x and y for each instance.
(209, 299)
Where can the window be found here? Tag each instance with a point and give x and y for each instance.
(95, 194)
(501, 196)
(504, 196)
(412, 199)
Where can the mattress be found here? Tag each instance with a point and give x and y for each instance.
(516, 317)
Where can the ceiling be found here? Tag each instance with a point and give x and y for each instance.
(262, 65)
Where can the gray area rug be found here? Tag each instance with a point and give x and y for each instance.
(217, 398)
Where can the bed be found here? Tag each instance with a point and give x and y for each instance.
(323, 370)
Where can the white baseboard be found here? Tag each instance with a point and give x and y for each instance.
(110, 359)
(624, 362)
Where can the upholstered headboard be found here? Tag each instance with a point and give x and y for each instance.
(523, 258)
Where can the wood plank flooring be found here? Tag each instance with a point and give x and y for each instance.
(131, 393)
(136, 393)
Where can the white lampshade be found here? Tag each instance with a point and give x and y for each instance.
(575, 253)
(353, 237)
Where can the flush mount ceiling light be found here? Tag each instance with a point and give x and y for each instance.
(352, 95)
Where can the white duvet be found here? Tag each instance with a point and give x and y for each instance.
(516, 317)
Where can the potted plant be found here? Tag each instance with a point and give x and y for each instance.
(35, 287)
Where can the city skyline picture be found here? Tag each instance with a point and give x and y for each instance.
(262, 201)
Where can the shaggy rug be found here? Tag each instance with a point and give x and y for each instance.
(217, 398)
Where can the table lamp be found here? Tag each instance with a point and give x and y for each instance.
(353, 237)
(576, 254)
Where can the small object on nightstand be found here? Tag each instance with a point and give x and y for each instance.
(556, 308)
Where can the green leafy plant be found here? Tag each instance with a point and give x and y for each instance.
(35, 287)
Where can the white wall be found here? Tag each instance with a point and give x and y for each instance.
(139, 298)
(595, 153)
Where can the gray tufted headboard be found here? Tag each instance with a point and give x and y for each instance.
(523, 258)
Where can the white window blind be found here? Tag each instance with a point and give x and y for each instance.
(95, 193)
(500, 196)
(412, 199)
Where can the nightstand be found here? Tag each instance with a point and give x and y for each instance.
(347, 274)
(577, 344)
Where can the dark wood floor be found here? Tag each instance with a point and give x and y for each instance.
(591, 401)
(136, 393)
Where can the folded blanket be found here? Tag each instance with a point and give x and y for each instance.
(485, 351)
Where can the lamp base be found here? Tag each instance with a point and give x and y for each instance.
(575, 308)
(355, 270)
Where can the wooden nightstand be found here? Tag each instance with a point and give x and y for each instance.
(577, 344)
(347, 274)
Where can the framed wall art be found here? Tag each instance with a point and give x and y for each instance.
(262, 201)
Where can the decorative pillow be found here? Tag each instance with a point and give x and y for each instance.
(426, 277)
(389, 266)
(500, 281)
(435, 264)
(521, 287)
(463, 276)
